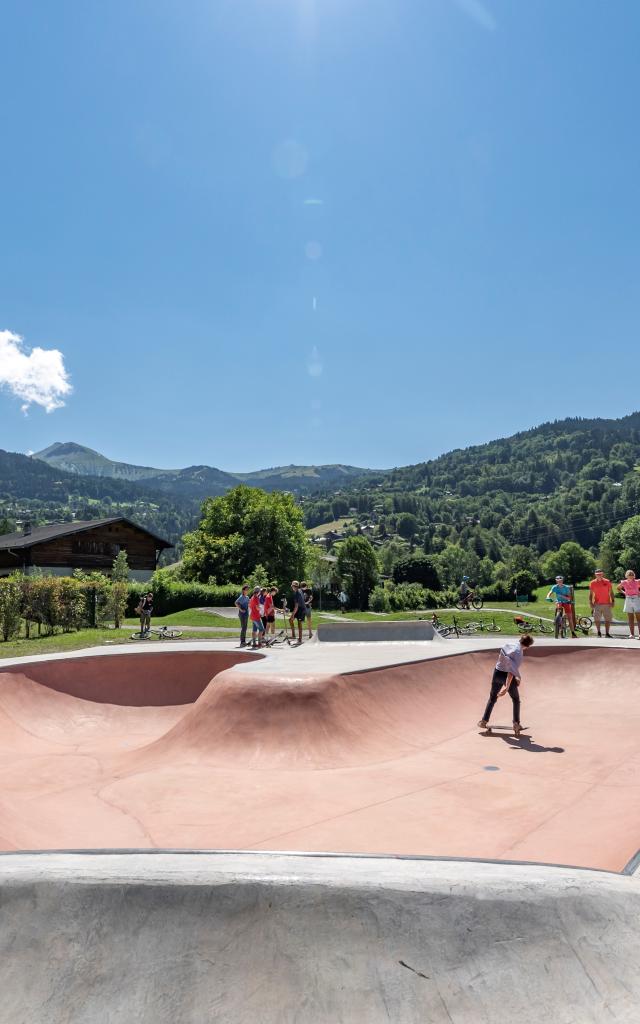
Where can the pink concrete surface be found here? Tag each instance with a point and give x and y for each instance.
(383, 761)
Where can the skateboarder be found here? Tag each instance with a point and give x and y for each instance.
(506, 679)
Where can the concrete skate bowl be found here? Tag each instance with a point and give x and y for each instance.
(197, 751)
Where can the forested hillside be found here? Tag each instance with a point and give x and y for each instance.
(572, 480)
(29, 489)
(568, 480)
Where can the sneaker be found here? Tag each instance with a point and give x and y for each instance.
(608, 636)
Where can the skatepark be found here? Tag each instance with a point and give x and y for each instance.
(319, 834)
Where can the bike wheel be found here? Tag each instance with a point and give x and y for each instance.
(477, 603)
(492, 627)
(461, 606)
(543, 627)
(139, 636)
(585, 622)
(172, 634)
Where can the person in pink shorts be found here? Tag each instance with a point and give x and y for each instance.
(630, 587)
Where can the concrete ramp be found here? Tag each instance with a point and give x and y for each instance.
(276, 939)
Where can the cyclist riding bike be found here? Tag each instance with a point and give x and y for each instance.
(562, 593)
(465, 592)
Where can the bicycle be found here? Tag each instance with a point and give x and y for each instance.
(562, 624)
(485, 627)
(162, 632)
(441, 628)
(467, 630)
(465, 604)
(530, 626)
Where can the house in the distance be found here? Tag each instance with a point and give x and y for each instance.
(61, 548)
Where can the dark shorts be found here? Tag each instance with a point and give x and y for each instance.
(271, 618)
(300, 614)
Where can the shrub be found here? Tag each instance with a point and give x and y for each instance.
(116, 603)
(407, 597)
(379, 600)
(10, 605)
(72, 604)
(169, 596)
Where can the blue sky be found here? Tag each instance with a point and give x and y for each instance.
(469, 265)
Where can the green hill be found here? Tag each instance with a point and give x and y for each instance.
(568, 480)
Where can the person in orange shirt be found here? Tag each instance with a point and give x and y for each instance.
(601, 599)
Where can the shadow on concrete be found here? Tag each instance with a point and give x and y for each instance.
(525, 743)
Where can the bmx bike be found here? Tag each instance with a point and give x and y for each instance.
(162, 633)
(465, 604)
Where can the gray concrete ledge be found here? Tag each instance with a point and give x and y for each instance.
(272, 939)
(375, 632)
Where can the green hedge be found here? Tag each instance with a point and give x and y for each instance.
(171, 597)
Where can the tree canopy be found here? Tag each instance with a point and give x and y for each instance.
(243, 529)
(357, 564)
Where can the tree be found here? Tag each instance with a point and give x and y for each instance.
(390, 553)
(118, 592)
(120, 569)
(523, 559)
(610, 552)
(454, 563)
(417, 569)
(6, 525)
(319, 570)
(571, 560)
(630, 545)
(245, 528)
(407, 525)
(357, 564)
(523, 583)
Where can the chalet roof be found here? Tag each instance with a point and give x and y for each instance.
(39, 534)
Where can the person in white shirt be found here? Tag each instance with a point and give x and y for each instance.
(506, 679)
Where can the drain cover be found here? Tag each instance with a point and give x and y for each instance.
(491, 768)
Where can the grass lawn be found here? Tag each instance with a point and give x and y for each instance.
(337, 525)
(84, 638)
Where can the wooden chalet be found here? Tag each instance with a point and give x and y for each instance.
(61, 548)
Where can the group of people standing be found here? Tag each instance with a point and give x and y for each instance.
(259, 608)
(601, 601)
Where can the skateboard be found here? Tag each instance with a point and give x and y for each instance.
(490, 729)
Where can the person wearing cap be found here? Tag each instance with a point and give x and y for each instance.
(563, 595)
(630, 587)
(506, 679)
(465, 591)
(601, 599)
(255, 614)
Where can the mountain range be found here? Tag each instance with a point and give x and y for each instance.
(194, 481)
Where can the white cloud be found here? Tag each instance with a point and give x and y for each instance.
(38, 376)
(477, 10)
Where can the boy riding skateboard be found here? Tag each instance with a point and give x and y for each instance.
(506, 679)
